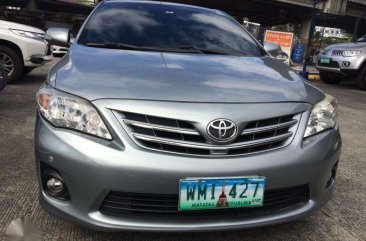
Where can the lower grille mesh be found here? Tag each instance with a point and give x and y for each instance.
(121, 203)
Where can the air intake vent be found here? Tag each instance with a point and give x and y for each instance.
(121, 203)
(178, 136)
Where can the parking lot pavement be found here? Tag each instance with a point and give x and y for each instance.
(343, 218)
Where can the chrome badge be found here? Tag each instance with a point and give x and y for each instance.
(222, 130)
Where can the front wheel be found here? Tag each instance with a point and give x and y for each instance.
(330, 78)
(361, 78)
(12, 63)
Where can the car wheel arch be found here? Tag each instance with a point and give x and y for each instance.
(12, 46)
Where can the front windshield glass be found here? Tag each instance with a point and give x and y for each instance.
(163, 26)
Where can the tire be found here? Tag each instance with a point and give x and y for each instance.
(361, 78)
(27, 70)
(330, 78)
(2, 78)
(12, 63)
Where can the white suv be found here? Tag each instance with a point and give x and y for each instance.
(22, 48)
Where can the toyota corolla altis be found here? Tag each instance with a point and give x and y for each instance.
(172, 117)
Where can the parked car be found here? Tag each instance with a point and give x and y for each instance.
(60, 51)
(2, 77)
(185, 123)
(340, 61)
(22, 48)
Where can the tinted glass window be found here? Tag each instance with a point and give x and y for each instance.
(166, 26)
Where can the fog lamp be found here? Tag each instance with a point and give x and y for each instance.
(55, 185)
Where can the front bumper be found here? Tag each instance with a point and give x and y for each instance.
(347, 66)
(91, 167)
(35, 52)
(40, 59)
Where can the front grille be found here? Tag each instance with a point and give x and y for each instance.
(121, 203)
(337, 52)
(178, 136)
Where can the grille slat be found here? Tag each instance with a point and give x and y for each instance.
(161, 127)
(269, 128)
(175, 142)
(274, 200)
(337, 52)
(182, 137)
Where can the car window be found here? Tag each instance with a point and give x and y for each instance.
(167, 27)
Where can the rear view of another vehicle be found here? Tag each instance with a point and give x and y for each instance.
(22, 48)
(341, 61)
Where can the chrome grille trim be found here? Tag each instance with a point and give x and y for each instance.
(269, 128)
(211, 147)
(183, 137)
(161, 127)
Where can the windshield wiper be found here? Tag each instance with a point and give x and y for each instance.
(180, 49)
(208, 51)
(114, 46)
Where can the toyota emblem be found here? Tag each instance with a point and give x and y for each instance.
(222, 130)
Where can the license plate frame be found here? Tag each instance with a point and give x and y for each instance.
(236, 197)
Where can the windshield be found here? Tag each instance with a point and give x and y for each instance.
(163, 26)
(362, 39)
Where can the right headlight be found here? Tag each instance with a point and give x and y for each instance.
(323, 116)
(351, 53)
(68, 111)
(26, 34)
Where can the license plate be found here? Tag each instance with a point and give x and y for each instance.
(214, 193)
(325, 60)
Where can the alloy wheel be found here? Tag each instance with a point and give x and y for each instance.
(7, 63)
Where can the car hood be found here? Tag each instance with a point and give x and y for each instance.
(96, 73)
(17, 26)
(346, 46)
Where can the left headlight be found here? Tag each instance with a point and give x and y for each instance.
(26, 34)
(351, 53)
(323, 116)
(72, 112)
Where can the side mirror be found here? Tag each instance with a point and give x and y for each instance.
(58, 36)
(282, 57)
(273, 48)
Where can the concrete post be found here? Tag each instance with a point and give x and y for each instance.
(305, 30)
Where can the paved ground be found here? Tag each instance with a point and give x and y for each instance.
(344, 218)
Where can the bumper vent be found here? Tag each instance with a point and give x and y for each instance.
(177, 136)
(121, 203)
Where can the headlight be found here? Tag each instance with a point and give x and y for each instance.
(68, 111)
(351, 53)
(26, 34)
(323, 116)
